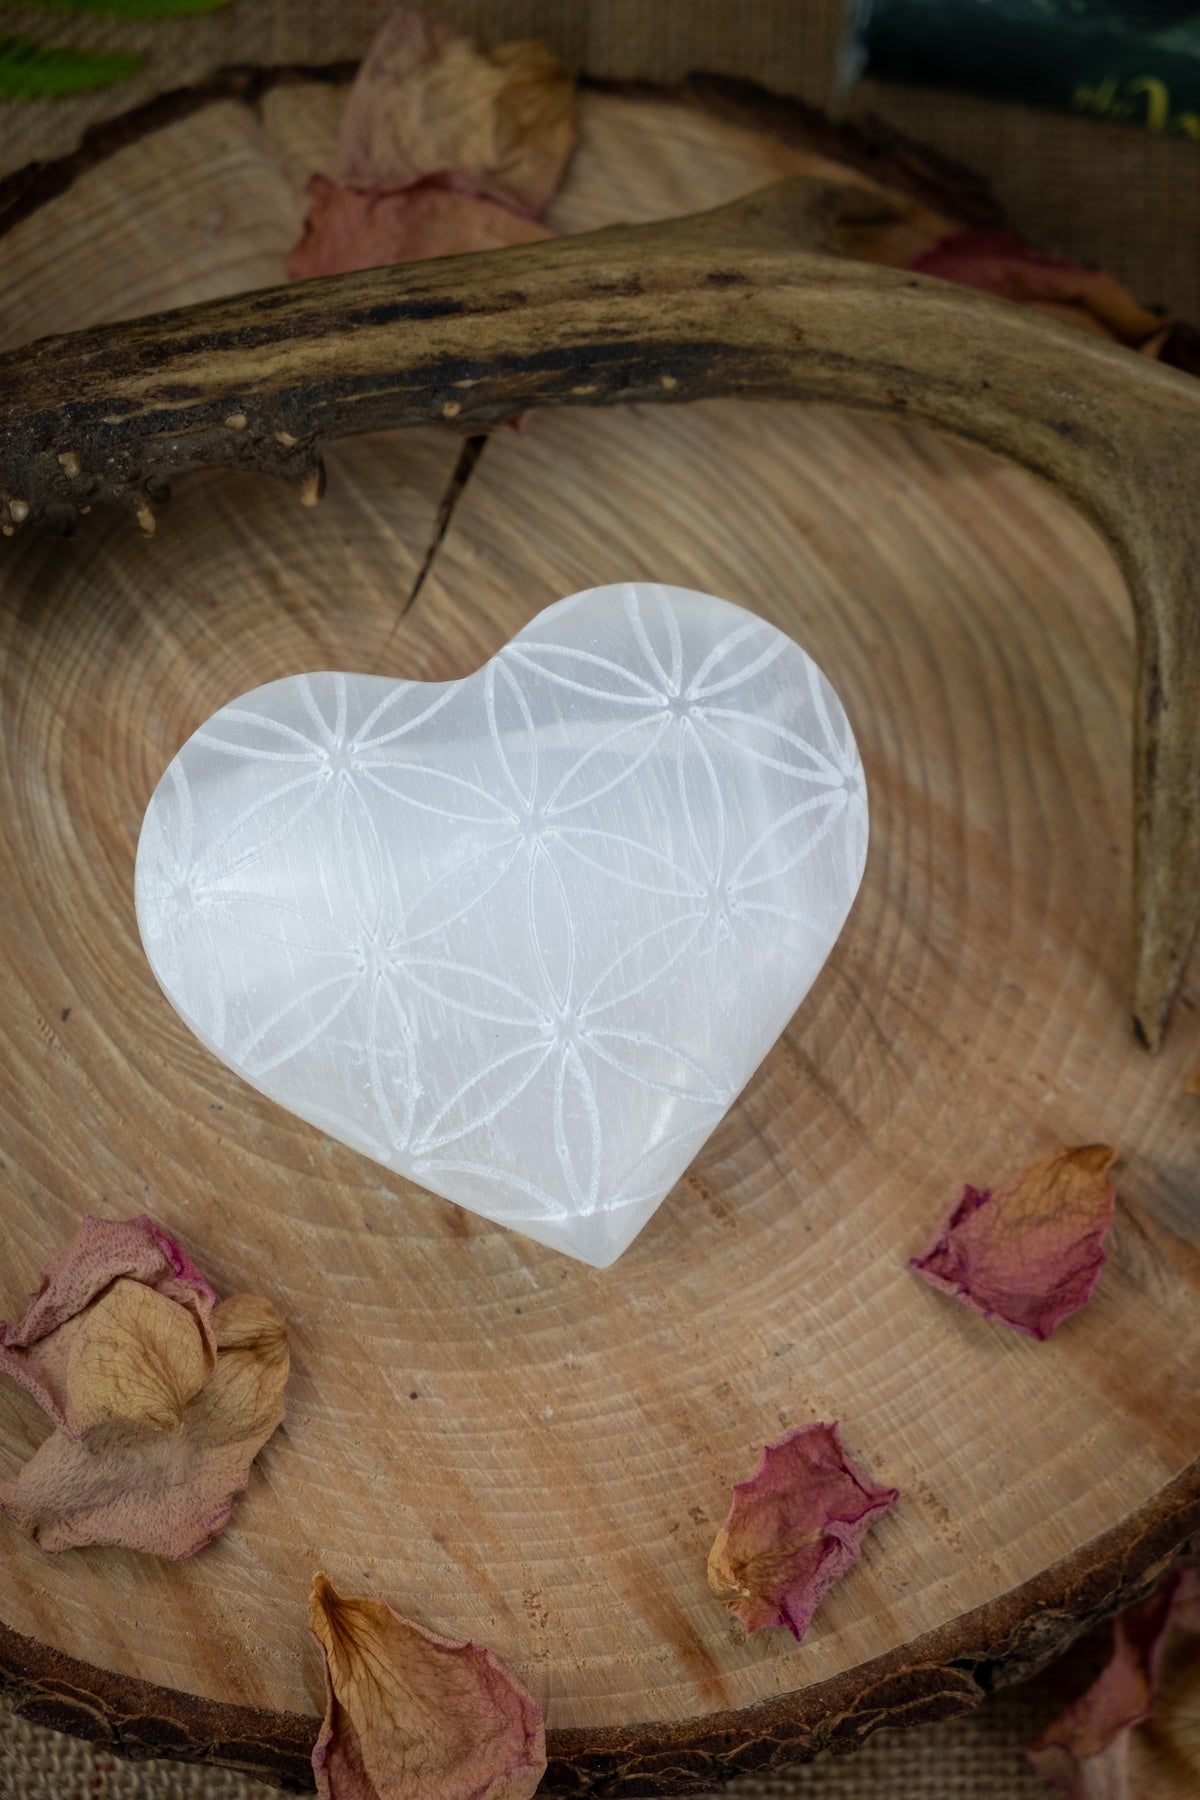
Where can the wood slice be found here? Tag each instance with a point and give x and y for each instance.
(503, 1442)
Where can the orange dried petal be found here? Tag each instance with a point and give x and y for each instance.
(136, 1356)
(414, 1716)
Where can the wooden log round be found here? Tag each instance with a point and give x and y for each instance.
(505, 1444)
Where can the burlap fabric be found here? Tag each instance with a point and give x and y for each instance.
(1111, 194)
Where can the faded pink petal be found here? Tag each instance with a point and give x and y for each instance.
(1091, 1751)
(167, 1493)
(446, 146)
(413, 1716)
(429, 98)
(793, 1530)
(36, 1353)
(1030, 1252)
(1000, 263)
(433, 215)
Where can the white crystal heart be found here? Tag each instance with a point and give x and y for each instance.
(521, 937)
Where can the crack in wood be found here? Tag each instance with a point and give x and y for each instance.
(464, 467)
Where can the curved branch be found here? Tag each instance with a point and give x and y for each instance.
(746, 300)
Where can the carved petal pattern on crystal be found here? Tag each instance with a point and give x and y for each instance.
(525, 936)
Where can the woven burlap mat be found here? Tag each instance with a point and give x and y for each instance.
(1111, 194)
(978, 1757)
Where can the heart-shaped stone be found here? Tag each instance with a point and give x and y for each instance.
(521, 937)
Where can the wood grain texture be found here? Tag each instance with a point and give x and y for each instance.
(508, 1445)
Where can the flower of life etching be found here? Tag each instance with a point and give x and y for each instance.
(522, 937)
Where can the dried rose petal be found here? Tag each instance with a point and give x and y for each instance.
(1000, 263)
(413, 1716)
(136, 1356)
(435, 215)
(1092, 1751)
(793, 1530)
(40, 1353)
(428, 98)
(1029, 1252)
(164, 1492)
(446, 146)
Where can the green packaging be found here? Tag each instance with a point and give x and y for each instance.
(1132, 60)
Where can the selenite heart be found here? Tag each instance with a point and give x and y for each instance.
(522, 937)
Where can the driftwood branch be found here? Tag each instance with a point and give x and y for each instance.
(747, 300)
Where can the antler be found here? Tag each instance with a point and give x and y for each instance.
(749, 300)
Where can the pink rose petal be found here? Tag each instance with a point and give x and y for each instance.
(793, 1530)
(1029, 1252)
(1000, 263)
(1092, 1751)
(433, 215)
(36, 1352)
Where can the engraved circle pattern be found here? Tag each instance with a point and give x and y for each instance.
(522, 937)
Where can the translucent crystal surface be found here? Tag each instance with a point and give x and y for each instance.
(521, 937)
